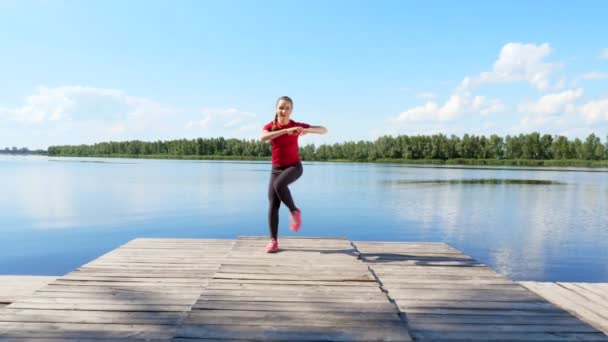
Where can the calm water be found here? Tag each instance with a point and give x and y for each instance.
(59, 213)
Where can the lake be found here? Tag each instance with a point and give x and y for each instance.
(546, 224)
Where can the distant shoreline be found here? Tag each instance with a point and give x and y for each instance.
(452, 162)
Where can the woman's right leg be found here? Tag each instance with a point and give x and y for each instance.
(274, 202)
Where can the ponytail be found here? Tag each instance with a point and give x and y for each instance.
(274, 123)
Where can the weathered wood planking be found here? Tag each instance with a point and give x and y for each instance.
(312, 290)
(448, 296)
(587, 301)
(140, 291)
(13, 288)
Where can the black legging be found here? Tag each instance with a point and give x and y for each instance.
(280, 178)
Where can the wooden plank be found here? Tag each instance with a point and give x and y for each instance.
(571, 302)
(315, 283)
(297, 292)
(248, 238)
(280, 333)
(90, 317)
(405, 282)
(470, 295)
(132, 284)
(290, 306)
(362, 277)
(145, 288)
(308, 271)
(440, 336)
(116, 295)
(13, 288)
(587, 296)
(295, 299)
(598, 289)
(431, 310)
(287, 320)
(483, 317)
(59, 285)
(460, 303)
(429, 264)
(502, 327)
(270, 316)
(194, 279)
(457, 286)
(96, 339)
(100, 307)
(347, 290)
(106, 267)
(142, 274)
(108, 301)
(405, 305)
(70, 330)
(297, 282)
(414, 277)
(318, 290)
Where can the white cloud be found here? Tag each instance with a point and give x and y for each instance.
(486, 106)
(551, 113)
(535, 122)
(426, 96)
(559, 114)
(74, 102)
(249, 128)
(595, 75)
(560, 85)
(203, 123)
(233, 122)
(457, 105)
(595, 111)
(604, 54)
(222, 118)
(552, 103)
(113, 110)
(426, 112)
(518, 62)
(558, 111)
(85, 115)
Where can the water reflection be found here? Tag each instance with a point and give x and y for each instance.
(525, 232)
(489, 181)
(532, 225)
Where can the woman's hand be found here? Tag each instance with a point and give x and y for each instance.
(294, 130)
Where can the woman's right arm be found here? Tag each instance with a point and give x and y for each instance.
(268, 135)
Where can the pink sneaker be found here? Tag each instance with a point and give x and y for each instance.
(296, 220)
(273, 246)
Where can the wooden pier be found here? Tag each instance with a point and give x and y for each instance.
(587, 301)
(314, 289)
(13, 288)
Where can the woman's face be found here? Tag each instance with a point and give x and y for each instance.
(284, 109)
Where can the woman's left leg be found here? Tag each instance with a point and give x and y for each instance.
(280, 183)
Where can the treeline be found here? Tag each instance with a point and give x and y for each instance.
(181, 147)
(23, 150)
(533, 146)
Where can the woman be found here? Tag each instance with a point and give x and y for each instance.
(283, 135)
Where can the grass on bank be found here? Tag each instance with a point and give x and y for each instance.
(457, 161)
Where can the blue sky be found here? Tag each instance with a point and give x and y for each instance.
(75, 72)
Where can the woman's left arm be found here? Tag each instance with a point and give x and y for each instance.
(314, 129)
